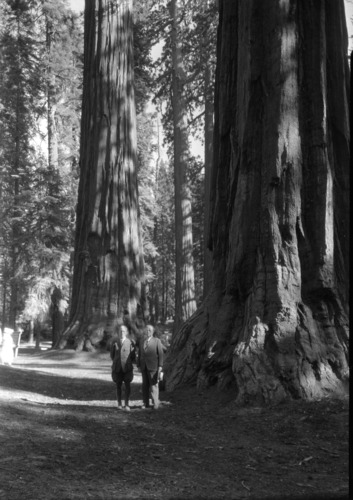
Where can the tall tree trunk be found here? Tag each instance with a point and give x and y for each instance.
(154, 314)
(15, 225)
(185, 303)
(108, 262)
(31, 332)
(208, 135)
(53, 156)
(57, 315)
(16, 161)
(275, 324)
(164, 304)
(208, 151)
(4, 297)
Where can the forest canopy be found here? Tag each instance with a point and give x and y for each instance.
(41, 92)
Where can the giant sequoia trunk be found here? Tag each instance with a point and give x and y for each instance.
(108, 264)
(208, 91)
(208, 136)
(275, 323)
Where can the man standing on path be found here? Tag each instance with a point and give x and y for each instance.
(151, 364)
(122, 353)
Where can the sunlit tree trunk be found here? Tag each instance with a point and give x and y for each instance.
(275, 324)
(185, 303)
(53, 156)
(4, 295)
(108, 263)
(154, 314)
(31, 332)
(57, 316)
(16, 160)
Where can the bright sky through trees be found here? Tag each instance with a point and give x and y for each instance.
(197, 149)
(77, 5)
(348, 4)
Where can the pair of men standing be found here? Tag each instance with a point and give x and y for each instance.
(150, 361)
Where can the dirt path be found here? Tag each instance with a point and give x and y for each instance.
(63, 438)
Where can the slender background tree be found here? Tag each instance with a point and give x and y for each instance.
(46, 195)
(21, 88)
(185, 303)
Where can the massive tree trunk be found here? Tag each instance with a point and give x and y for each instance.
(19, 140)
(108, 263)
(208, 137)
(185, 303)
(208, 64)
(275, 324)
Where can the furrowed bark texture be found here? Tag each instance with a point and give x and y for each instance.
(275, 324)
(57, 316)
(185, 303)
(108, 265)
(208, 138)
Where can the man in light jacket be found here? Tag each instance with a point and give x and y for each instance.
(151, 364)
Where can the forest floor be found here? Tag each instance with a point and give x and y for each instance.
(62, 437)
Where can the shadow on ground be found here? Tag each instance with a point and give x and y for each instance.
(63, 438)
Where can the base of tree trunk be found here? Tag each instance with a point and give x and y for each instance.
(97, 334)
(83, 337)
(310, 362)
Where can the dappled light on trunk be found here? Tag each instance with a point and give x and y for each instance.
(275, 322)
(185, 303)
(108, 265)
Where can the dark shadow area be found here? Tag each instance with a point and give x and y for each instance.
(54, 385)
(74, 366)
(31, 378)
(199, 445)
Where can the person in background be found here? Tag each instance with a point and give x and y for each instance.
(6, 354)
(123, 354)
(151, 365)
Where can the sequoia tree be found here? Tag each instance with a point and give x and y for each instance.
(108, 263)
(185, 303)
(275, 323)
(20, 93)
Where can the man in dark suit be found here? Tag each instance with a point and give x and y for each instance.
(122, 352)
(151, 364)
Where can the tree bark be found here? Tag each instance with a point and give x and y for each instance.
(53, 156)
(31, 332)
(275, 324)
(14, 289)
(209, 112)
(185, 303)
(57, 315)
(208, 151)
(108, 261)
